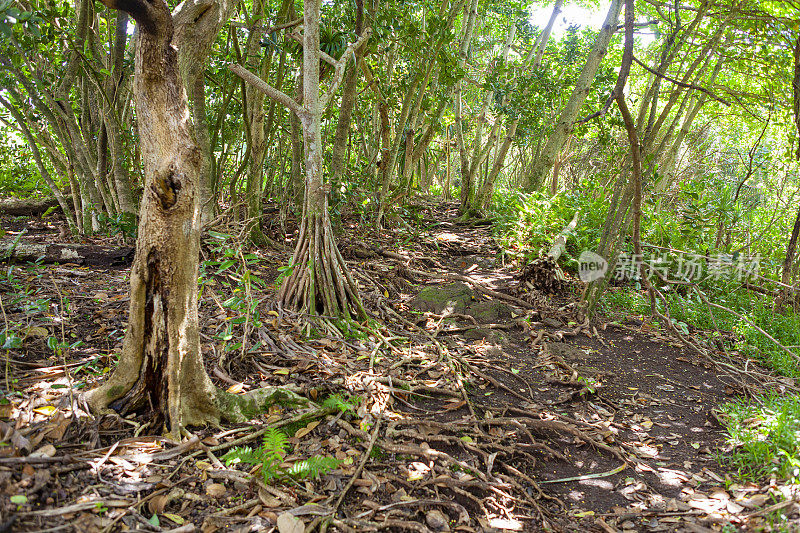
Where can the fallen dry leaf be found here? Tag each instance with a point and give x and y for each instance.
(216, 490)
(290, 524)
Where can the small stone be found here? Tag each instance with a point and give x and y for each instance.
(216, 490)
(436, 520)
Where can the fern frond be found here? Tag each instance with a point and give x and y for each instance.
(243, 454)
(313, 467)
(337, 401)
(275, 442)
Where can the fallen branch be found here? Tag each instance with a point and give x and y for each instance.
(587, 476)
(83, 254)
(28, 206)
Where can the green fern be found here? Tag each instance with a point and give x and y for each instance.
(338, 402)
(313, 467)
(242, 454)
(270, 456)
(273, 451)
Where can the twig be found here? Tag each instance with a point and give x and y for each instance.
(587, 476)
(742, 317)
(682, 84)
(357, 472)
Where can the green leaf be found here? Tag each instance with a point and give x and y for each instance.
(217, 235)
(226, 265)
(19, 499)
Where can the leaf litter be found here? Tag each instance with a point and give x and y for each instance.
(434, 421)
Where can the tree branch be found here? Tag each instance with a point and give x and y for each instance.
(139, 10)
(269, 90)
(625, 67)
(322, 54)
(339, 67)
(681, 84)
(271, 29)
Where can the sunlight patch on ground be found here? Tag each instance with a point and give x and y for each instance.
(447, 236)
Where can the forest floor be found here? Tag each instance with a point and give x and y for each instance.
(472, 403)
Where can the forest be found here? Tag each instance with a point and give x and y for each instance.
(406, 265)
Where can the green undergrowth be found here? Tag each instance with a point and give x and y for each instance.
(691, 315)
(526, 224)
(763, 438)
(270, 458)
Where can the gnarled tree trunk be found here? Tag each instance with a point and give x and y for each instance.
(161, 369)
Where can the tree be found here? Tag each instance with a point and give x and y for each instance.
(563, 128)
(792, 245)
(161, 367)
(319, 282)
(67, 100)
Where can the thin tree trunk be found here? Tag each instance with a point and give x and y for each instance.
(37, 158)
(792, 246)
(319, 283)
(349, 87)
(565, 123)
(484, 196)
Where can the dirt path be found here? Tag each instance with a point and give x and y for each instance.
(645, 394)
(605, 428)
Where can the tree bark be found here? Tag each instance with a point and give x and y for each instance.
(792, 246)
(469, 28)
(197, 23)
(30, 207)
(160, 371)
(112, 106)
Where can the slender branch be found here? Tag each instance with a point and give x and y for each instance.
(749, 322)
(271, 29)
(322, 54)
(339, 67)
(653, 22)
(625, 67)
(269, 90)
(681, 84)
(327, 58)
